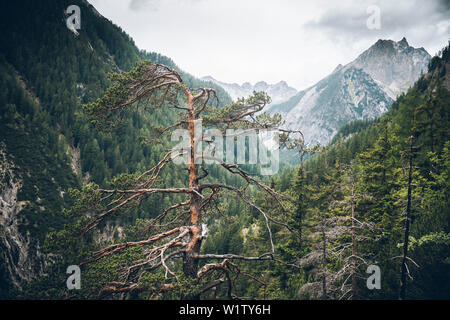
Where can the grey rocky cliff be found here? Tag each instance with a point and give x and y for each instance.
(363, 89)
(20, 257)
(396, 66)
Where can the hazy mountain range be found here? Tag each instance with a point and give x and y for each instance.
(278, 92)
(363, 89)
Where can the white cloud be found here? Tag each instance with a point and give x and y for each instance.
(136, 5)
(252, 40)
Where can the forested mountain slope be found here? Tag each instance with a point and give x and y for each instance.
(46, 142)
(350, 206)
(380, 183)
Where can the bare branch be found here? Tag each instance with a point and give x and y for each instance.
(265, 256)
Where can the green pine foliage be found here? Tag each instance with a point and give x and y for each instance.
(378, 153)
(47, 74)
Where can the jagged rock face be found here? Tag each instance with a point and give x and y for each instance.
(278, 92)
(21, 259)
(345, 95)
(16, 265)
(363, 89)
(394, 65)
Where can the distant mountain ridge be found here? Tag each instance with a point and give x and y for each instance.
(363, 89)
(278, 92)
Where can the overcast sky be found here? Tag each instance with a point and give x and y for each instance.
(254, 40)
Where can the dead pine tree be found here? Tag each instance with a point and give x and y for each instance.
(321, 232)
(158, 86)
(329, 281)
(360, 230)
(334, 261)
(404, 269)
(323, 284)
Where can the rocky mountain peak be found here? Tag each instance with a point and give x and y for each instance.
(208, 78)
(338, 67)
(403, 42)
(394, 65)
(363, 89)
